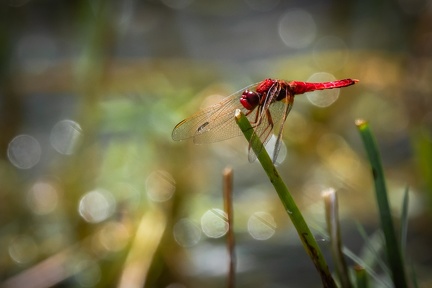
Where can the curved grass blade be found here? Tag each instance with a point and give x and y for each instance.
(382, 282)
(372, 249)
(393, 251)
(404, 222)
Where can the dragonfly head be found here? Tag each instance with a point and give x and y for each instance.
(250, 99)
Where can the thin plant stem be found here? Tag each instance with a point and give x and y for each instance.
(228, 207)
(361, 277)
(306, 236)
(332, 219)
(380, 281)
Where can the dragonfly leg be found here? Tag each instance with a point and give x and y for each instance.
(270, 125)
(257, 120)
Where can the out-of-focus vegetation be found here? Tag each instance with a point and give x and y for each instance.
(93, 191)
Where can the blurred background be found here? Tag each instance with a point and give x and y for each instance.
(95, 193)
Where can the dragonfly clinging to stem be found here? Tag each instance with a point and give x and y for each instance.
(266, 105)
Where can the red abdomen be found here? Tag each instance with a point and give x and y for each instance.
(298, 87)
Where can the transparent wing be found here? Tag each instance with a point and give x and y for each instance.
(217, 119)
(289, 101)
(271, 119)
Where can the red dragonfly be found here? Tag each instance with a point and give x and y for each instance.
(266, 104)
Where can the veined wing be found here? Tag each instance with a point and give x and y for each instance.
(279, 124)
(217, 119)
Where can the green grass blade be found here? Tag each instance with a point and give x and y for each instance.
(379, 281)
(372, 251)
(404, 221)
(306, 237)
(361, 277)
(414, 281)
(393, 251)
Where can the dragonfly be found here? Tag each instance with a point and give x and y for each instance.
(266, 104)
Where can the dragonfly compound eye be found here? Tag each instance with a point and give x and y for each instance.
(250, 99)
